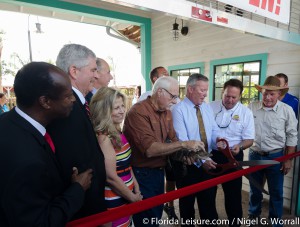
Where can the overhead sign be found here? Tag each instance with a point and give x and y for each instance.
(201, 14)
(278, 10)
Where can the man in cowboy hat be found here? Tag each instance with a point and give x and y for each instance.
(275, 136)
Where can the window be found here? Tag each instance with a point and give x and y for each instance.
(182, 76)
(247, 72)
(182, 73)
(250, 69)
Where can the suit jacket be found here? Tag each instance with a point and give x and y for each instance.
(77, 146)
(32, 192)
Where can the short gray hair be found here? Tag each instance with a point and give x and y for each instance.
(192, 80)
(74, 54)
(165, 82)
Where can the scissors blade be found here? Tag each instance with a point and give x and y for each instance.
(258, 162)
(254, 182)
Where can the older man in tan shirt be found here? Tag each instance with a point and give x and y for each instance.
(147, 127)
(275, 136)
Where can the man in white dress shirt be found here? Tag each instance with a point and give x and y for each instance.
(236, 125)
(187, 126)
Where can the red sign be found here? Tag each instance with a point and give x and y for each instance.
(223, 20)
(272, 4)
(201, 14)
(278, 10)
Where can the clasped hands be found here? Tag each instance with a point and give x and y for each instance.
(197, 152)
(235, 149)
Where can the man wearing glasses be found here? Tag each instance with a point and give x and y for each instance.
(148, 125)
(236, 126)
(193, 120)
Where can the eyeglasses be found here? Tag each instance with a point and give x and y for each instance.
(226, 125)
(172, 96)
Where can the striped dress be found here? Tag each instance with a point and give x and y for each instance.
(123, 170)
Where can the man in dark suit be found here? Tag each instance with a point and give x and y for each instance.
(74, 137)
(32, 191)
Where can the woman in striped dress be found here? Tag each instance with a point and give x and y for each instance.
(108, 108)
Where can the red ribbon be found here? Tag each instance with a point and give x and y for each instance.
(133, 208)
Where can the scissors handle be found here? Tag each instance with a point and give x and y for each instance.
(232, 163)
(226, 151)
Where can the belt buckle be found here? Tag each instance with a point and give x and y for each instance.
(265, 153)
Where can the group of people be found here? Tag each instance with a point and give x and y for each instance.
(194, 120)
(71, 157)
(53, 171)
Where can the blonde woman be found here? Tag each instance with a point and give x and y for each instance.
(108, 108)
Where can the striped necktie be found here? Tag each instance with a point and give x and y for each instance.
(201, 127)
(49, 141)
(87, 109)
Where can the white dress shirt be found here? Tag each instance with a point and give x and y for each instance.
(80, 95)
(236, 124)
(186, 123)
(33, 122)
(145, 95)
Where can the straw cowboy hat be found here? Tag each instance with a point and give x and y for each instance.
(272, 83)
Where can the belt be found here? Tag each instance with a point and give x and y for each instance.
(267, 153)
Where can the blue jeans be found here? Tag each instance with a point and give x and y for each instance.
(151, 182)
(274, 178)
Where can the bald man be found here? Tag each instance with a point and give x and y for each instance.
(101, 79)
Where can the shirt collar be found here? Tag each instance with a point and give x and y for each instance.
(79, 94)
(232, 109)
(33, 122)
(190, 103)
(274, 108)
(94, 90)
(153, 106)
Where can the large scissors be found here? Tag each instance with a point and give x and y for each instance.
(234, 164)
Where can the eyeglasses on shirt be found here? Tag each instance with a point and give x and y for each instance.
(225, 125)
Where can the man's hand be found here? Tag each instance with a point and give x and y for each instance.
(189, 160)
(222, 145)
(235, 149)
(209, 164)
(286, 167)
(194, 145)
(84, 179)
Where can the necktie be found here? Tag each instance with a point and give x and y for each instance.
(87, 109)
(49, 141)
(201, 127)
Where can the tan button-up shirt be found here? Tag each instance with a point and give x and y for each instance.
(275, 127)
(143, 126)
